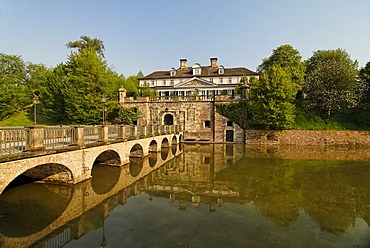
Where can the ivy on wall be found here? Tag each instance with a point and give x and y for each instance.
(236, 112)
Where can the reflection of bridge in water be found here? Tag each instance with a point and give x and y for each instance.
(74, 202)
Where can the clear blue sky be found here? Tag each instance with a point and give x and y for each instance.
(151, 35)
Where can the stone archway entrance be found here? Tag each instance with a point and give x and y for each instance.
(168, 119)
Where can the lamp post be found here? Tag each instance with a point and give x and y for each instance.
(35, 101)
(103, 99)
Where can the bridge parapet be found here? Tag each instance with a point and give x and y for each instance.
(37, 138)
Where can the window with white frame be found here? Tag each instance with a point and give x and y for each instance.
(164, 82)
(196, 69)
(152, 83)
(229, 80)
(172, 82)
(221, 69)
(221, 80)
(211, 80)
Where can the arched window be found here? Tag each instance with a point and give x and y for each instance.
(197, 70)
(168, 119)
(221, 69)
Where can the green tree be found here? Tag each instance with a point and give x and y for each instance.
(289, 59)
(271, 99)
(320, 56)
(131, 84)
(19, 81)
(14, 95)
(87, 43)
(140, 74)
(331, 84)
(75, 89)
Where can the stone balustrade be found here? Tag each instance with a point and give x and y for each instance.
(201, 98)
(36, 138)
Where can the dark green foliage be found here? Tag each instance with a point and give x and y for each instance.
(128, 115)
(125, 116)
(236, 112)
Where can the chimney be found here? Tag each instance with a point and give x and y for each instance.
(183, 63)
(214, 62)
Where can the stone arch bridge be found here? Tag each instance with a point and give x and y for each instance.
(73, 163)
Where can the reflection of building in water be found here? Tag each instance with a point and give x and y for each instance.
(190, 178)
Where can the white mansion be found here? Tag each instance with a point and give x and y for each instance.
(200, 80)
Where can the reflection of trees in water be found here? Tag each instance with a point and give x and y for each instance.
(30, 208)
(332, 195)
(269, 184)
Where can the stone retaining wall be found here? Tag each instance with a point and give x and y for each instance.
(308, 137)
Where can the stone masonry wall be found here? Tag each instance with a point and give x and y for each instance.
(308, 137)
(199, 118)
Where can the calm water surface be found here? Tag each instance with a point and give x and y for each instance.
(208, 196)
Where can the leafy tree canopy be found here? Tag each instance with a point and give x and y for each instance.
(365, 73)
(332, 84)
(289, 59)
(339, 55)
(271, 99)
(19, 81)
(76, 88)
(87, 43)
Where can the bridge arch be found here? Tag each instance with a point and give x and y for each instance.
(174, 140)
(109, 157)
(50, 172)
(153, 146)
(165, 143)
(137, 151)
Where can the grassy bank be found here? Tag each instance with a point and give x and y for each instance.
(26, 119)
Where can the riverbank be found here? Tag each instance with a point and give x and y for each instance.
(308, 138)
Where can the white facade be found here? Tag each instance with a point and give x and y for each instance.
(197, 80)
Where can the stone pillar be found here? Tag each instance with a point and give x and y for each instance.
(78, 136)
(150, 130)
(103, 135)
(121, 95)
(134, 132)
(122, 132)
(144, 132)
(35, 138)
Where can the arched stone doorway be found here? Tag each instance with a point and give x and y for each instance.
(168, 119)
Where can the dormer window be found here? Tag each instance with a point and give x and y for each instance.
(197, 69)
(173, 72)
(221, 69)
